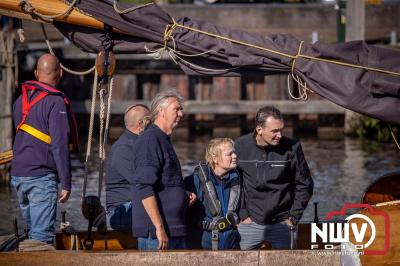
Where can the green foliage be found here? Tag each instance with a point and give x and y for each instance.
(373, 129)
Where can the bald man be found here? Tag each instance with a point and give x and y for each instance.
(119, 168)
(44, 126)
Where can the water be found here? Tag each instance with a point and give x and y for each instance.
(341, 170)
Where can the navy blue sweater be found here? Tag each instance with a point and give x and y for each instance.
(33, 157)
(119, 168)
(157, 172)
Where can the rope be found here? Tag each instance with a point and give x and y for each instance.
(301, 87)
(121, 12)
(74, 242)
(170, 28)
(176, 56)
(102, 92)
(108, 115)
(351, 65)
(29, 8)
(91, 121)
(298, 53)
(393, 136)
(104, 125)
(90, 133)
(20, 31)
(62, 66)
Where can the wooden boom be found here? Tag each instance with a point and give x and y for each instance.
(12, 8)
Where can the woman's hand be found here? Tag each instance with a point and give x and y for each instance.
(192, 197)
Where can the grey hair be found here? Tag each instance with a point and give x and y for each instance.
(265, 112)
(160, 101)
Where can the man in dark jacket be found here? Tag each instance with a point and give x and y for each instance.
(120, 167)
(41, 159)
(159, 199)
(277, 182)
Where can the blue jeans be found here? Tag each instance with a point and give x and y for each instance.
(252, 235)
(120, 217)
(37, 196)
(149, 243)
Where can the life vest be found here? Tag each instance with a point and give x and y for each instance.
(27, 104)
(219, 222)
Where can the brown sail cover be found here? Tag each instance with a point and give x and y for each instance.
(367, 92)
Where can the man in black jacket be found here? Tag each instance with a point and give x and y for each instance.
(277, 182)
(120, 167)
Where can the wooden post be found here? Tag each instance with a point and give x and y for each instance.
(355, 30)
(8, 62)
(150, 85)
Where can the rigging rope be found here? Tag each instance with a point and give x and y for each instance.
(30, 9)
(176, 56)
(302, 86)
(104, 132)
(170, 28)
(80, 73)
(102, 93)
(90, 133)
(393, 136)
(108, 115)
(121, 12)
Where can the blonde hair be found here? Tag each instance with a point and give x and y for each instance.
(214, 149)
(160, 101)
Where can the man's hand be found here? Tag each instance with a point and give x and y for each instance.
(162, 238)
(192, 197)
(288, 222)
(248, 220)
(64, 196)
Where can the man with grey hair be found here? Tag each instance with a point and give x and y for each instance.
(158, 195)
(119, 168)
(276, 180)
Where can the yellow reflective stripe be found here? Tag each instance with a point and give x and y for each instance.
(36, 133)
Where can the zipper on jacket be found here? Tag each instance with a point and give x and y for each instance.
(257, 171)
(265, 164)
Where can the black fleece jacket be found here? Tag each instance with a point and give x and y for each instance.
(276, 179)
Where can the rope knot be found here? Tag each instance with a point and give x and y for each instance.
(26, 6)
(301, 85)
(168, 32)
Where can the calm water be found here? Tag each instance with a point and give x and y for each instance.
(341, 170)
